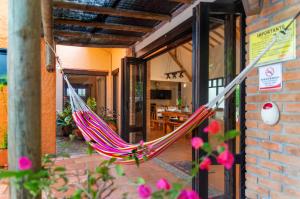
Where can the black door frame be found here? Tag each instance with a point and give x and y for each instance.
(182, 34)
(202, 12)
(115, 75)
(125, 113)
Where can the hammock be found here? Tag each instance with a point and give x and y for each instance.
(108, 143)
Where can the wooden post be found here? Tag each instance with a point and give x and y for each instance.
(24, 100)
(200, 85)
(47, 20)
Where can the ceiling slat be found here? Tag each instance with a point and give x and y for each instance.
(90, 44)
(84, 35)
(186, 48)
(109, 26)
(111, 11)
(218, 34)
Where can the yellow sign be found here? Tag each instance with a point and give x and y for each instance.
(284, 48)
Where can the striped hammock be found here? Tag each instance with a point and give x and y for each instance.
(108, 143)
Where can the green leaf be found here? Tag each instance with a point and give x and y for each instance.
(195, 170)
(89, 150)
(177, 186)
(140, 181)
(63, 189)
(60, 169)
(230, 135)
(112, 160)
(77, 194)
(119, 170)
(33, 187)
(13, 174)
(207, 147)
(145, 158)
(221, 149)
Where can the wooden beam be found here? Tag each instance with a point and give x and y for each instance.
(91, 44)
(218, 34)
(24, 84)
(186, 48)
(214, 40)
(112, 11)
(47, 21)
(109, 26)
(182, 1)
(84, 35)
(180, 66)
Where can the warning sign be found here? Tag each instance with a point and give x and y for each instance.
(270, 77)
(284, 49)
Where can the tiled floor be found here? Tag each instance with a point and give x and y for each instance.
(151, 171)
(78, 163)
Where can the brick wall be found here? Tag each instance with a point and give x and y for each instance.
(273, 152)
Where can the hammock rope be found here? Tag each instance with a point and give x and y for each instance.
(109, 144)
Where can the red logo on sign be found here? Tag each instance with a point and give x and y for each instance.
(269, 71)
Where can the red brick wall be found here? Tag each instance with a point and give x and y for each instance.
(273, 152)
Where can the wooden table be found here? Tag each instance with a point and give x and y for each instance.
(182, 117)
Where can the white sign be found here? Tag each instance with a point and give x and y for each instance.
(270, 77)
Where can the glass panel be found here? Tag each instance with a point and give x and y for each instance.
(220, 82)
(136, 96)
(212, 92)
(214, 83)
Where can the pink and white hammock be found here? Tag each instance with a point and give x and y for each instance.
(108, 143)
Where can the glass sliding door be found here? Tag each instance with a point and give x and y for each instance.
(133, 100)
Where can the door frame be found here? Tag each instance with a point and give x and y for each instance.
(125, 113)
(186, 31)
(202, 12)
(68, 71)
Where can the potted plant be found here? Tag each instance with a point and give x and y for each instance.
(65, 120)
(3, 151)
(105, 114)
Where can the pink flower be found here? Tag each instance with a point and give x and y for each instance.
(214, 127)
(24, 163)
(142, 142)
(197, 142)
(205, 164)
(226, 158)
(163, 184)
(188, 194)
(144, 191)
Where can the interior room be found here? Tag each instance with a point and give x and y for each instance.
(171, 103)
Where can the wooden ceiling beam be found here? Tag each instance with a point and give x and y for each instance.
(90, 44)
(109, 26)
(218, 34)
(111, 11)
(84, 35)
(186, 48)
(180, 66)
(214, 40)
(182, 1)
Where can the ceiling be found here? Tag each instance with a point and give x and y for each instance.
(110, 23)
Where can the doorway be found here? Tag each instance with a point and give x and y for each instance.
(222, 31)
